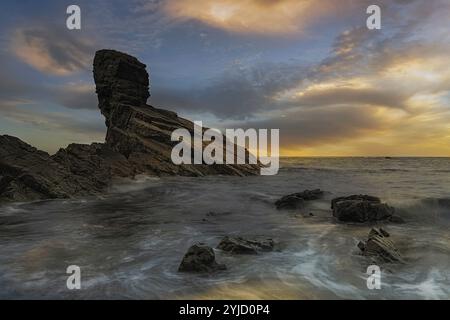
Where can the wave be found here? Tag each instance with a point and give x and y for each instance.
(443, 203)
(430, 210)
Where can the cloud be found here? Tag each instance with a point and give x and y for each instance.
(78, 95)
(322, 125)
(21, 112)
(53, 51)
(72, 95)
(374, 90)
(255, 16)
(238, 93)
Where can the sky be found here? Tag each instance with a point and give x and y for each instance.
(310, 68)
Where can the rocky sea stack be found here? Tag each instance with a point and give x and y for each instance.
(138, 141)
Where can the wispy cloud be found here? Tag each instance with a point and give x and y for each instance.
(255, 16)
(22, 112)
(52, 51)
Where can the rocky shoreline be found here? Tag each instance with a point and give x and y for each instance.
(362, 210)
(138, 141)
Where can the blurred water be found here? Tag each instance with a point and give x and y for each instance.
(129, 243)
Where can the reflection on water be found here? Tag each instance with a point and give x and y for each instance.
(129, 243)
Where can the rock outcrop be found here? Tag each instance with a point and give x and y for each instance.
(138, 141)
(297, 200)
(361, 208)
(200, 258)
(95, 165)
(140, 132)
(380, 248)
(240, 245)
(27, 174)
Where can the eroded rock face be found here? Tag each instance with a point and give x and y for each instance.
(297, 200)
(141, 132)
(380, 247)
(200, 258)
(361, 208)
(94, 165)
(138, 141)
(28, 174)
(240, 245)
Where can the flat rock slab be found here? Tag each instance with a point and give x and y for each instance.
(239, 245)
(297, 200)
(200, 258)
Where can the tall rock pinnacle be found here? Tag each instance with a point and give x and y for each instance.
(139, 131)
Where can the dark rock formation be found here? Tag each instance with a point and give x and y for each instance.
(200, 258)
(95, 165)
(380, 248)
(297, 200)
(245, 246)
(141, 132)
(360, 208)
(27, 174)
(138, 141)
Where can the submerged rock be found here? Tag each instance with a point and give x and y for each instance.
(297, 200)
(218, 214)
(360, 208)
(379, 247)
(200, 258)
(396, 219)
(240, 245)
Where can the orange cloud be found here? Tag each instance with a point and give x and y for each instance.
(253, 16)
(51, 52)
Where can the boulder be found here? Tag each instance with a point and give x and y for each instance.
(200, 258)
(239, 245)
(380, 247)
(297, 200)
(360, 208)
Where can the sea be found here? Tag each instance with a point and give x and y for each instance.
(129, 243)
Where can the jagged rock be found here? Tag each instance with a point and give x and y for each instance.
(200, 258)
(138, 141)
(140, 132)
(95, 162)
(297, 200)
(28, 174)
(380, 248)
(360, 208)
(240, 245)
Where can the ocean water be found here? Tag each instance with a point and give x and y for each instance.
(130, 242)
